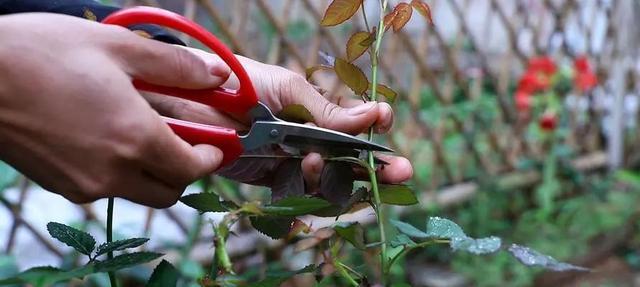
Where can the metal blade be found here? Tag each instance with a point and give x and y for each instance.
(308, 138)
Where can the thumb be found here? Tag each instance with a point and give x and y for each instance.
(169, 65)
(353, 120)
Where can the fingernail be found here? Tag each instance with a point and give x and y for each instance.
(361, 109)
(219, 70)
(382, 128)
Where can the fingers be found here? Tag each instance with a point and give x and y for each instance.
(398, 170)
(312, 166)
(174, 161)
(149, 191)
(178, 163)
(167, 65)
(354, 120)
(191, 111)
(383, 123)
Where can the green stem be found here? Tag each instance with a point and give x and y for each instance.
(372, 174)
(222, 258)
(354, 272)
(112, 274)
(335, 250)
(344, 273)
(222, 255)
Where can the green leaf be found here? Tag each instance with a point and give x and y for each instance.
(203, 202)
(275, 227)
(351, 76)
(352, 232)
(443, 228)
(81, 241)
(164, 275)
(340, 11)
(530, 257)
(296, 113)
(408, 229)
(330, 211)
(126, 260)
(387, 92)
(294, 206)
(397, 195)
(275, 279)
(191, 269)
(8, 175)
(36, 276)
(401, 240)
(357, 44)
(104, 248)
(446, 229)
(47, 275)
(8, 266)
(476, 246)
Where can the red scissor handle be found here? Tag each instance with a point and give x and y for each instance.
(240, 101)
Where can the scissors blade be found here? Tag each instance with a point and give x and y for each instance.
(308, 138)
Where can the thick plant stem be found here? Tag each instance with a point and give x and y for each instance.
(372, 174)
(222, 259)
(112, 275)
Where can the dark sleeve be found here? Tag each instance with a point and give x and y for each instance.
(88, 9)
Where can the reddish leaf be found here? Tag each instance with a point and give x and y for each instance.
(358, 44)
(340, 11)
(388, 19)
(351, 76)
(403, 15)
(423, 9)
(336, 182)
(387, 92)
(309, 71)
(256, 171)
(287, 180)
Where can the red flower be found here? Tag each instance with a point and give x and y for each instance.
(523, 101)
(581, 64)
(542, 64)
(585, 81)
(532, 82)
(548, 121)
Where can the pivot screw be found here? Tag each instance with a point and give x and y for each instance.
(274, 133)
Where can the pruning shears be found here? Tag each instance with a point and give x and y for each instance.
(266, 129)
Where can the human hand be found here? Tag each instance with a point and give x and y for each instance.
(71, 120)
(278, 87)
